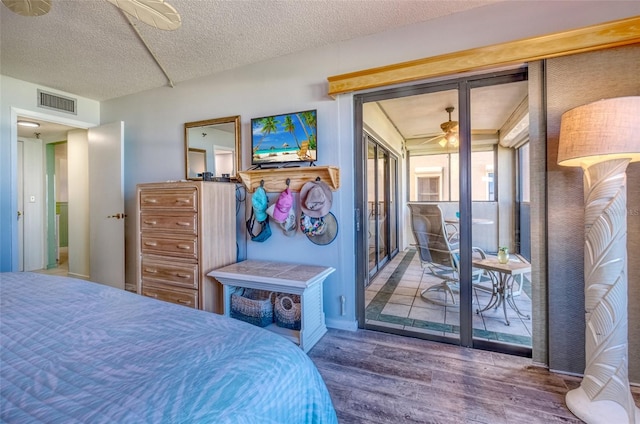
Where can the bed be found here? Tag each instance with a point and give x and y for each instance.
(73, 351)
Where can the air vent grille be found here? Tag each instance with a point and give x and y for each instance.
(57, 102)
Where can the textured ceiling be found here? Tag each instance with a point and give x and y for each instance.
(88, 48)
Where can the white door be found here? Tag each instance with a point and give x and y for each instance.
(106, 204)
(31, 202)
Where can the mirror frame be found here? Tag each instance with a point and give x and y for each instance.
(208, 122)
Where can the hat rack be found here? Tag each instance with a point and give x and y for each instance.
(278, 179)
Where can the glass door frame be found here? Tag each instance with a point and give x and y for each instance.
(464, 85)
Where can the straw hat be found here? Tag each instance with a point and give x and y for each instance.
(315, 199)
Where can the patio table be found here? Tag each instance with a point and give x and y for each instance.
(502, 277)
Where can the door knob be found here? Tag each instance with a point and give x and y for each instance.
(118, 216)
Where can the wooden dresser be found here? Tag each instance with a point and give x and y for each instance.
(185, 230)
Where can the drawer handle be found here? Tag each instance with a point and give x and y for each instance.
(187, 201)
(150, 200)
(151, 270)
(150, 243)
(184, 302)
(154, 295)
(183, 224)
(182, 275)
(151, 222)
(184, 247)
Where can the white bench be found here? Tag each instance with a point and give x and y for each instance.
(303, 280)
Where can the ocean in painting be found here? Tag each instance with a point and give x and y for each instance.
(277, 151)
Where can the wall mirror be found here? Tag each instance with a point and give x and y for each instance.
(212, 145)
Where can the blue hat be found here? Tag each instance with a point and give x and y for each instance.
(260, 203)
(265, 229)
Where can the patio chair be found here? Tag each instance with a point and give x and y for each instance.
(437, 253)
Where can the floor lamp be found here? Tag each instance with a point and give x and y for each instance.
(603, 138)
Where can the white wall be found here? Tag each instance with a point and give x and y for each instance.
(154, 119)
(20, 98)
(62, 178)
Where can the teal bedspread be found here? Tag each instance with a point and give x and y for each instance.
(73, 351)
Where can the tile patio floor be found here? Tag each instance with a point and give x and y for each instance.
(393, 300)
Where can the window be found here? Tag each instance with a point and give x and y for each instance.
(490, 186)
(434, 177)
(429, 189)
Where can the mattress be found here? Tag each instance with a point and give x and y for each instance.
(74, 351)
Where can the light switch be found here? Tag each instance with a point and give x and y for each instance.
(32, 199)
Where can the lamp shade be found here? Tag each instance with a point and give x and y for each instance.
(602, 130)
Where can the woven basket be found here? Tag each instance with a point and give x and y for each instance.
(253, 306)
(287, 311)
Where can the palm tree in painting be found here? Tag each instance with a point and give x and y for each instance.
(308, 122)
(309, 118)
(291, 128)
(269, 125)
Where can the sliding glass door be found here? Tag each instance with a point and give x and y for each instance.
(459, 141)
(381, 223)
(501, 291)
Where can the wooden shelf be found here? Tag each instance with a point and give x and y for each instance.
(276, 179)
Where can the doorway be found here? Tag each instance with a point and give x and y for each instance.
(96, 208)
(57, 208)
(460, 137)
(42, 194)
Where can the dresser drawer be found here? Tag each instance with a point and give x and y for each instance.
(179, 247)
(182, 275)
(175, 199)
(180, 296)
(185, 223)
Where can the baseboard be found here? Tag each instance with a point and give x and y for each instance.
(340, 324)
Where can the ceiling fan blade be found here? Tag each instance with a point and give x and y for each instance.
(28, 7)
(432, 139)
(157, 13)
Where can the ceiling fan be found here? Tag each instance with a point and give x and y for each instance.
(156, 13)
(449, 131)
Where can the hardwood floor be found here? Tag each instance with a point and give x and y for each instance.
(376, 377)
(63, 264)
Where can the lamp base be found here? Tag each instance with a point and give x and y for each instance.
(599, 411)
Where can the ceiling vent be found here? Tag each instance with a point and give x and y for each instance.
(57, 102)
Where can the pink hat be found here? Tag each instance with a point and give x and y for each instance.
(283, 205)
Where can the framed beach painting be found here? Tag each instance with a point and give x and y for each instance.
(284, 139)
